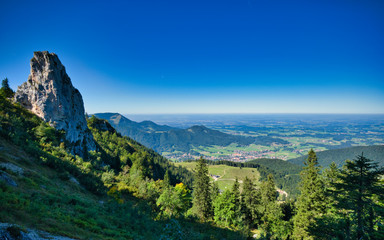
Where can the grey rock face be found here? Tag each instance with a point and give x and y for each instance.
(49, 94)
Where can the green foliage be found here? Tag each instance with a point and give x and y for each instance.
(270, 212)
(237, 201)
(119, 151)
(225, 209)
(6, 90)
(215, 190)
(250, 200)
(286, 174)
(202, 202)
(174, 200)
(361, 195)
(45, 199)
(311, 202)
(167, 180)
(339, 156)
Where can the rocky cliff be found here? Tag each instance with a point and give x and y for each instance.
(49, 94)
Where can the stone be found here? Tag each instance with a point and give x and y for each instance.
(14, 232)
(74, 180)
(12, 167)
(7, 179)
(49, 94)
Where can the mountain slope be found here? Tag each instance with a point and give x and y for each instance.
(164, 138)
(278, 165)
(109, 194)
(107, 191)
(325, 158)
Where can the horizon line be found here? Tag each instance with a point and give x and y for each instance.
(274, 113)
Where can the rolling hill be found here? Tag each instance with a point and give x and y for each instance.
(375, 153)
(163, 138)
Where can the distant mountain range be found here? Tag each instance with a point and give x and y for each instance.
(164, 138)
(325, 158)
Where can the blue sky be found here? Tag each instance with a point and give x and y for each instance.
(240, 56)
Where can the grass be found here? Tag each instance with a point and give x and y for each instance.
(45, 201)
(227, 174)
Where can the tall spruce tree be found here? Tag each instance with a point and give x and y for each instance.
(333, 223)
(249, 202)
(237, 201)
(167, 179)
(215, 192)
(202, 201)
(361, 193)
(310, 203)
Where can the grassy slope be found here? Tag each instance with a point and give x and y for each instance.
(227, 173)
(44, 201)
(41, 199)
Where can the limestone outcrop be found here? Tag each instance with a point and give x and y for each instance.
(49, 94)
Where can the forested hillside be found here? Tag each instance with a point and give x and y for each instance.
(286, 174)
(340, 155)
(115, 192)
(163, 138)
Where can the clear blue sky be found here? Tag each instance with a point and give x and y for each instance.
(184, 56)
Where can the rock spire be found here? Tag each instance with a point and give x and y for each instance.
(49, 94)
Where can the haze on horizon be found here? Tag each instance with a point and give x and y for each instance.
(235, 56)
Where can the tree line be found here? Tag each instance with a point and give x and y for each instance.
(345, 203)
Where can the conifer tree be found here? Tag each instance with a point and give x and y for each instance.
(249, 203)
(332, 224)
(167, 180)
(237, 202)
(202, 201)
(6, 90)
(310, 202)
(271, 213)
(361, 192)
(215, 190)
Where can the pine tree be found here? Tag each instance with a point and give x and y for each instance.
(167, 180)
(6, 90)
(332, 224)
(310, 202)
(361, 192)
(237, 201)
(215, 190)
(249, 203)
(271, 214)
(202, 201)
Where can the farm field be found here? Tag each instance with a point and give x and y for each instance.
(295, 135)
